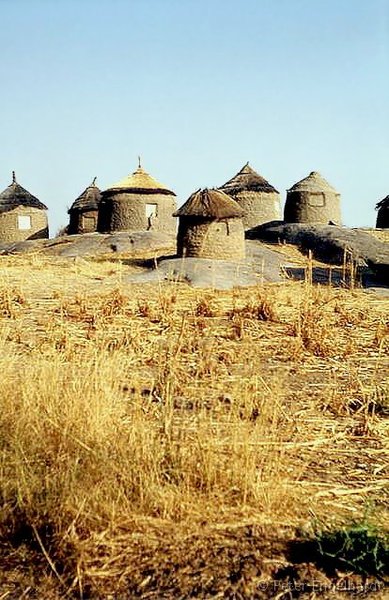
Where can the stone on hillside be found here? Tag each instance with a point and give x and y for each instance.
(95, 244)
(328, 243)
(22, 247)
(261, 265)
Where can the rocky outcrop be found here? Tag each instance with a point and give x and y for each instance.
(260, 265)
(328, 243)
(133, 244)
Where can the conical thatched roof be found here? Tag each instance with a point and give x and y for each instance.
(313, 183)
(139, 182)
(88, 200)
(15, 195)
(210, 204)
(383, 203)
(247, 180)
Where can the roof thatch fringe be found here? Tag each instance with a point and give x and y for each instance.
(15, 195)
(139, 182)
(247, 180)
(88, 200)
(210, 204)
(313, 183)
(383, 203)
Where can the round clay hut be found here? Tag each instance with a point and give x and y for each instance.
(312, 200)
(137, 203)
(22, 216)
(258, 198)
(210, 226)
(383, 214)
(83, 212)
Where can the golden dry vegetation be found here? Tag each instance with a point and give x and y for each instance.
(380, 234)
(163, 442)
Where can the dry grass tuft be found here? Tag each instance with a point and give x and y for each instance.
(139, 419)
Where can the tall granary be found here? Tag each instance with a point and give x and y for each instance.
(22, 216)
(210, 226)
(137, 203)
(383, 214)
(312, 200)
(83, 212)
(258, 198)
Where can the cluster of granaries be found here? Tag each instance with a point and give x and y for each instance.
(212, 222)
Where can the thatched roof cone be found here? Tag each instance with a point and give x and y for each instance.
(247, 180)
(139, 182)
(15, 195)
(210, 204)
(89, 199)
(383, 213)
(313, 183)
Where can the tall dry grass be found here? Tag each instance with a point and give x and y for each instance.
(124, 405)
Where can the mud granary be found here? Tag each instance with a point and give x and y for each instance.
(210, 226)
(312, 200)
(259, 200)
(83, 213)
(137, 203)
(22, 215)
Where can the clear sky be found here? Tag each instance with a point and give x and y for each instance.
(197, 88)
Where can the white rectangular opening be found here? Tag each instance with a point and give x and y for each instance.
(151, 210)
(24, 222)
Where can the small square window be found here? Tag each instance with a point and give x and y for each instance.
(316, 200)
(151, 210)
(24, 222)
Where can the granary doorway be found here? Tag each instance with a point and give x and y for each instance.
(88, 223)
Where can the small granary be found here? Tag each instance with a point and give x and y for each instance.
(259, 200)
(83, 212)
(312, 200)
(211, 226)
(22, 216)
(137, 203)
(383, 214)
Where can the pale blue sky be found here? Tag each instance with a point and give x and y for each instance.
(197, 87)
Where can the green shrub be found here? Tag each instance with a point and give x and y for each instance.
(360, 548)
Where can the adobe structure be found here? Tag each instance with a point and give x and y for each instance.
(22, 216)
(83, 212)
(210, 226)
(137, 203)
(258, 198)
(383, 214)
(312, 200)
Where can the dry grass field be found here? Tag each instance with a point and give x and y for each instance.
(167, 442)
